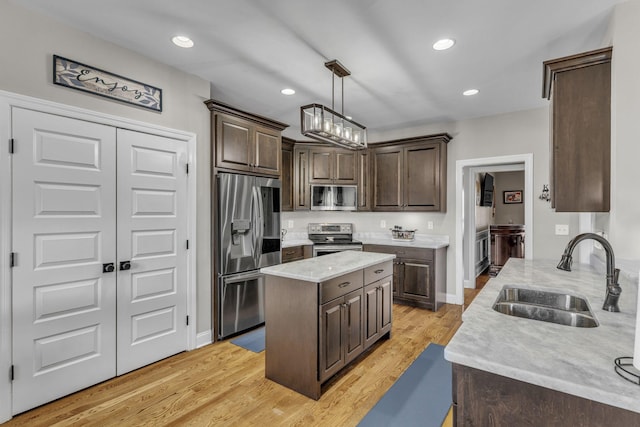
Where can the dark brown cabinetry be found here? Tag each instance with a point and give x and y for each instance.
(364, 180)
(287, 175)
(410, 174)
(507, 241)
(419, 275)
(245, 142)
(295, 253)
(335, 321)
(481, 398)
(301, 188)
(579, 88)
(332, 166)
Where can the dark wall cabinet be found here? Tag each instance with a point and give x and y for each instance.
(287, 175)
(410, 174)
(301, 189)
(245, 142)
(419, 275)
(579, 88)
(328, 165)
(484, 399)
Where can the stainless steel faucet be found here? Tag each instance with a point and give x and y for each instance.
(613, 288)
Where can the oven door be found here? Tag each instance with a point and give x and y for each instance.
(319, 250)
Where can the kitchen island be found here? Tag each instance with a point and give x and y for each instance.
(323, 312)
(516, 371)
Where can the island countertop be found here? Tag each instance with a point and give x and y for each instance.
(322, 268)
(577, 361)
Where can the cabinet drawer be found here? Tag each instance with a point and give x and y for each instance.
(292, 253)
(339, 286)
(378, 271)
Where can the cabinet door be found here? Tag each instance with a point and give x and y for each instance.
(371, 314)
(416, 280)
(346, 167)
(301, 188)
(234, 140)
(364, 181)
(287, 178)
(385, 304)
(397, 277)
(321, 163)
(353, 323)
(267, 150)
(387, 179)
(292, 253)
(331, 335)
(422, 178)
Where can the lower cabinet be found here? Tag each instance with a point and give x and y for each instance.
(316, 329)
(341, 335)
(295, 253)
(419, 275)
(482, 398)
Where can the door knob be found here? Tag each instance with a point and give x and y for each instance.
(108, 267)
(125, 265)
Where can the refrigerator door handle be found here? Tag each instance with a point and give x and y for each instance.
(258, 231)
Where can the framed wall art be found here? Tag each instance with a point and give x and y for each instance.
(512, 196)
(86, 78)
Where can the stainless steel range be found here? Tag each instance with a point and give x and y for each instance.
(328, 238)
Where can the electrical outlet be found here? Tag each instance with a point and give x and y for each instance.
(383, 223)
(430, 225)
(562, 229)
(290, 223)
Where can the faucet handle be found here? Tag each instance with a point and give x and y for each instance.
(616, 275)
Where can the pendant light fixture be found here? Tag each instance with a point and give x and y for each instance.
(326, 125)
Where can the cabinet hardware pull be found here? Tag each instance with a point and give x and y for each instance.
(379, 271)
(125, 265)
(108, 267)
(344, 284)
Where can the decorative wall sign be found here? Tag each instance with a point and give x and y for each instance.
(94, 80)
(512, 196)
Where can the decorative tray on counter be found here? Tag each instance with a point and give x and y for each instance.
(402, 235)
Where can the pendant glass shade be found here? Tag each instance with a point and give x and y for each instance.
(324, 124)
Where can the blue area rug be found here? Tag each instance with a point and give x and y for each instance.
(420, 397)
(253, 340)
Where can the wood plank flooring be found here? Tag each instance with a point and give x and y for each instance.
(224, 385)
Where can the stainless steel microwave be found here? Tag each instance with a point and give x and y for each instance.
(334, 197)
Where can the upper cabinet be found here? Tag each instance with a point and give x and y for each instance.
(579, 87)
(410, 174)
(287, 174)
(329, 165)
(245, 142)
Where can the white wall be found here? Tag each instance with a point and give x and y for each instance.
(623, 222)
(27, 42)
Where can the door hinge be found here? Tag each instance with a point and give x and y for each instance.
(187, 166)
(12, 143)
(187, 243)
(12, 373)
(13, 259)
(187, 320)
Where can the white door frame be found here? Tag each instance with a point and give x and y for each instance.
(464, 200)
(9, 100)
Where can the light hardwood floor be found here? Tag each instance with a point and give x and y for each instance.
(222, 384)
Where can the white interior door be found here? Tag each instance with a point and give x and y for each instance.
(152, 237)
(64, 230)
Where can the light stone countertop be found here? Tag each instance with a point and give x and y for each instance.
(577, 361)
(288, 243)
(327, 267)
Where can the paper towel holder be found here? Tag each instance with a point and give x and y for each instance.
(624, 368)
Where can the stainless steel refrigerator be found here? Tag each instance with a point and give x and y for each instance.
(248, 238)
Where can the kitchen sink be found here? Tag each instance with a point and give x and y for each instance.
(545, 306)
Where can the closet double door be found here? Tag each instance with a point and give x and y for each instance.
(98, 241)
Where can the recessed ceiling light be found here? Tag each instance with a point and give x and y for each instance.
(470, 92)
(443, 44)
(182, 41)
(287, 91)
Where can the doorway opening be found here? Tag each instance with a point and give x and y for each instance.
(467, 172)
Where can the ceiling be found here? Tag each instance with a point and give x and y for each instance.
(251, 49)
